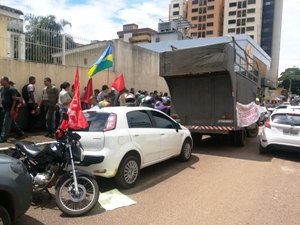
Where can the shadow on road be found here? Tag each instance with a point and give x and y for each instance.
(223, 147)
(152, 175)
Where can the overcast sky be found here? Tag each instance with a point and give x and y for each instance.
(101, 19)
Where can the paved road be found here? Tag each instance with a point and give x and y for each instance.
(221, 184)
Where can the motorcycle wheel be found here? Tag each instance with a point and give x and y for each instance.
(4, 216)
(79, 204)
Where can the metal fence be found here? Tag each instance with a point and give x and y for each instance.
(44, 45)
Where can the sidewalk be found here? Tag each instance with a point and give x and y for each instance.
(36, 137)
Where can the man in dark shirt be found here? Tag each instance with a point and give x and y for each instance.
(9, 100)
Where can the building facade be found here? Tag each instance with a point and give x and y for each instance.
(132, 34)
(206, 17)
(243, 17)
(12, 38)
(177, 8)
(271, 35)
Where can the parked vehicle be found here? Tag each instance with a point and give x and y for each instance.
(208, 81)
(15, 189)
(76, 191)
(131, 138)
(281, 131)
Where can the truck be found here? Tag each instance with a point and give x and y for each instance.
(208, 81)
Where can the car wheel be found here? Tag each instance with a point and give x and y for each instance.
(128, 172)
(186, 151)
(262, 150)
(4, 216)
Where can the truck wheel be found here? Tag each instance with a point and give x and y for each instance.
(197, 137)
(4, 216)
(253, 132)
(128, 172)
(239, 138)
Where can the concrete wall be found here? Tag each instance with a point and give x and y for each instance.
(139, 66)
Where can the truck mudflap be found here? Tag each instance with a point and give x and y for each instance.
(210, 129)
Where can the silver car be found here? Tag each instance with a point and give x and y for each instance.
(281, 131)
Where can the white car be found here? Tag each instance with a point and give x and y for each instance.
(281, 131)
(131, 138)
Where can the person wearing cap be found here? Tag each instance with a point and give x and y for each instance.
(105, 102)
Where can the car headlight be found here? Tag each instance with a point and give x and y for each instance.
(18, 167)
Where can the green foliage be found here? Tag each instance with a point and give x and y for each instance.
(290, 76)
(44, 36)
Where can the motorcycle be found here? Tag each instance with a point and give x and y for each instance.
(76, 191)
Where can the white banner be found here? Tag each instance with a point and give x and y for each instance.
(247, 114)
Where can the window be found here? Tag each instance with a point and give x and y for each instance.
(243, 22)
(231, 21)
(176, 5)
(210, 0)
(239, 5)
(209, 32)
(193, 34)
(232, 13)
(250, 19)
(202, 2)
(175, 13)
(202, 18)
(138, 119)
(250, 10)
(211, 7)
(209, 16)
(194, 10)
(162, 121)
(239, 13)
(243, 30)
(238, 30)
(210, 24)
(194, 18)
(244, 13)
(287, 119)
(96, 121)
(202, 10)
(250, 28)
(194, 2)
(251, 2)
(233, 4)
(231, 30)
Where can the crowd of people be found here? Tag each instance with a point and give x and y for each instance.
(55, 102)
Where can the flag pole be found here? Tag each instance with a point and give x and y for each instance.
(107, 77)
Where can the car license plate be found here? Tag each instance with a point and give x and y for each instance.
(290, 132)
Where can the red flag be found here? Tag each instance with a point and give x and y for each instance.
(88, 91)
(76, 118)
(119, 83)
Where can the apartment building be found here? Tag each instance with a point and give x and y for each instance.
(243, 17)
(177, 8)
(206, 17)
(131, 33)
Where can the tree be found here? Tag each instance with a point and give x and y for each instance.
(44, 37)
(290, 80)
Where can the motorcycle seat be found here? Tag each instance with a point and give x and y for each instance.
(29, 148)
